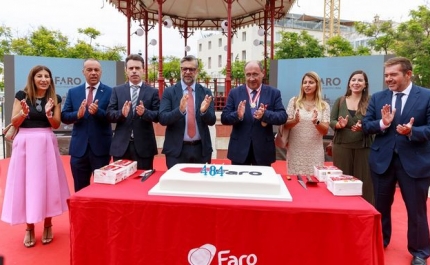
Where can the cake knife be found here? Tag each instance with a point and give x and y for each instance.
(146, 174)
(300, 180)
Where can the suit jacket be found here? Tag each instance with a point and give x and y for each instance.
(142, 127)
(171, 116)
(94, 130)
(250, 130)
(414, 151)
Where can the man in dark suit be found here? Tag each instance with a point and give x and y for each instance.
(180, 146)
(85, 108)
(400, 153)
(252, 109)
(134, 107)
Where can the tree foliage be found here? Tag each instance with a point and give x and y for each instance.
(52, 43)
(338, 46)
(237, 70)
(294, 45)
(413, 42)
(381, 33)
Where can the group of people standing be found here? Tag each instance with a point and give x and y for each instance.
(36, 186)
(381, 139)
(372, 141)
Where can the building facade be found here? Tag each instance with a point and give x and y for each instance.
(247, 44)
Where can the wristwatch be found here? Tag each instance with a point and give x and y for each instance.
(316, 123)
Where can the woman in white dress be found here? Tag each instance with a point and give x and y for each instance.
(308, 121)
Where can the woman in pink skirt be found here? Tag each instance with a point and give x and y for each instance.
(36, 185)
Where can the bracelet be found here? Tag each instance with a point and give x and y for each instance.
(49, 116)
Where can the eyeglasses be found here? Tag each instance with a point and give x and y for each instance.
(188, 69)
(39, 105)
(253, 75)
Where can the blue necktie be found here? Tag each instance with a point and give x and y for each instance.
(398, 107)
(254, 94)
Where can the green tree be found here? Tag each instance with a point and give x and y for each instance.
(339, 46)
(5, 40)
(294, 45)
(237, 70)
(92, 33)
(413, 42)
(42, 42)
(382, 34)
(51, 43)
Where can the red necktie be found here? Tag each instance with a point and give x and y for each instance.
(191, 114)
(90, 95)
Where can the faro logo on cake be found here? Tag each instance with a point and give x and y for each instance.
(217, 171)
(204, 255)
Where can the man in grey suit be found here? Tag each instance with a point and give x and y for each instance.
(134, 107)
(187, 110)
(400, 153)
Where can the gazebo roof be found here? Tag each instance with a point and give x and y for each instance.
(204, 14)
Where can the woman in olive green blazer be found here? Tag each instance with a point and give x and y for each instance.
(351, 147)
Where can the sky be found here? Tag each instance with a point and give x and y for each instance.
(24, 16)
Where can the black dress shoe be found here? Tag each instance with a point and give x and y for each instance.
(418, 261)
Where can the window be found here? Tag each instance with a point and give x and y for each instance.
(209, 63)
(200, 47)
(219, 60)
(243, 36)
(243, 55)
(209, 45)
(277, 36)
(219, 42)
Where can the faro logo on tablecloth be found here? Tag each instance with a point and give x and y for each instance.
(205, 254)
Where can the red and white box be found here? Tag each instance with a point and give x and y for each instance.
(110, 174)
(345, 185)
(130, 165)
(321, 172)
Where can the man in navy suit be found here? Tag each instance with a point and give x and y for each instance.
(134, 107)
(85, 108)
(179, 146)
(400, 153)
(252, 109)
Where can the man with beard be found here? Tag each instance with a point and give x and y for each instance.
(400, 119)
(187, 110)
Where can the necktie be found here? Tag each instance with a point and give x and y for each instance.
(253, 103)
(134, 97)
(191, 114)
(398, 107)
(90, 95)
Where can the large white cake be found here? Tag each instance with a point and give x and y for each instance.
(199, 180)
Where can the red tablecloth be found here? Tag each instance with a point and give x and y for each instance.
(122, 224)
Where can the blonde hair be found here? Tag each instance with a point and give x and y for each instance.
(319, 102)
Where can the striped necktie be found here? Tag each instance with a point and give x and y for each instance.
(134, 97)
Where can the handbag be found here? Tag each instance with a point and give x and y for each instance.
(281, 137)
(10, 132)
